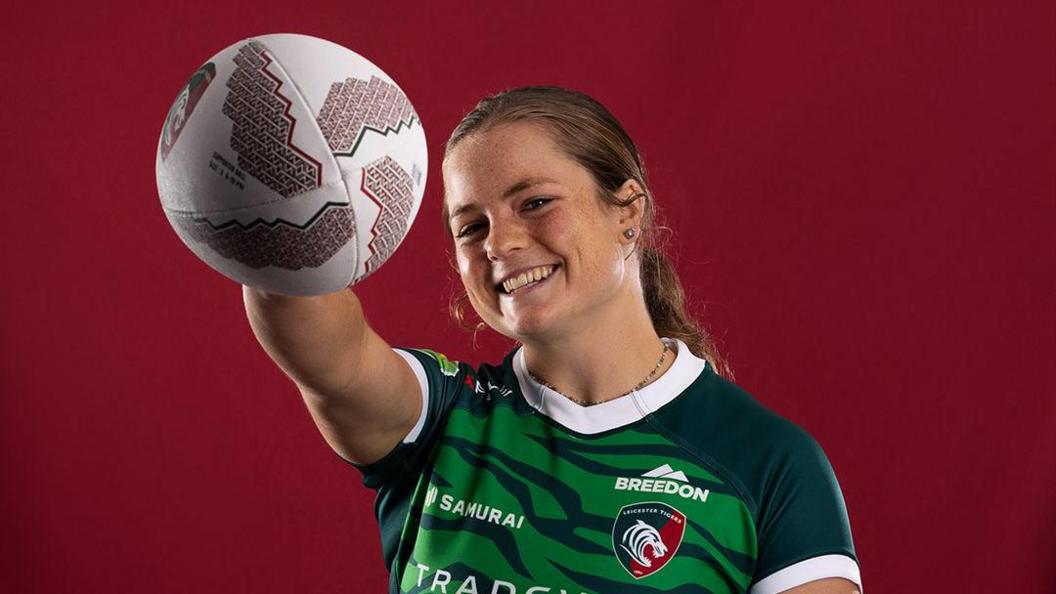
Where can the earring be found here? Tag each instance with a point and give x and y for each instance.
(629, 233)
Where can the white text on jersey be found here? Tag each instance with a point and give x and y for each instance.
(662, 480)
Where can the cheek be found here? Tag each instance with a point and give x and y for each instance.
(471, 274)
(580, 237)
(557, 225)
(462, 264)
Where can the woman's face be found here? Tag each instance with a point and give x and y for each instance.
(518, 204)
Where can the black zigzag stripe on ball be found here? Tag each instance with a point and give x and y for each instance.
(280, 244)
(354, 106)
(263, 126)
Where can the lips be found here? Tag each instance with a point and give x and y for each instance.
(531, 286)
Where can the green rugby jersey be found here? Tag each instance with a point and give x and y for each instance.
(686, 486)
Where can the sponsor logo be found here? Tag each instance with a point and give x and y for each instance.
(489, 387)
(645, 536)
(184, 105)
(440, 581)
(451, 505)
(662, 480)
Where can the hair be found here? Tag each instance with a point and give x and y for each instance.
(588, 133)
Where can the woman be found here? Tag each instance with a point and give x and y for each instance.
(605, 454)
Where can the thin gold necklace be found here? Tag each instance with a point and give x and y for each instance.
(663, 356)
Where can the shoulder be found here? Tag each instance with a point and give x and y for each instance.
(447, 383)
(783, 475)
(717, 412)
(437, 362)
(751, 445)
(431, 361)
(442, 383)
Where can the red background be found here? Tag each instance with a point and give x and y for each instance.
(860, 197)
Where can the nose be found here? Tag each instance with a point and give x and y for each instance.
(505, 236)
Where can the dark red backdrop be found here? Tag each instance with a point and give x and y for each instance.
(859, 195)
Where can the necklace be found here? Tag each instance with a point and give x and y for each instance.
(660, 362)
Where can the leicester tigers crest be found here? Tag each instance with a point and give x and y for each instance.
(646, 536)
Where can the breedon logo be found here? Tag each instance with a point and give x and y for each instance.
(663, 479)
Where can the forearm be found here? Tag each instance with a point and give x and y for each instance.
(314, 340)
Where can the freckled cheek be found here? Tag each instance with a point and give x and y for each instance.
(570, 240)
(557, 235)
(551, 226)
(474, 278)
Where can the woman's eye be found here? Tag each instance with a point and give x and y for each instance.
(467, 230)
(529, 204)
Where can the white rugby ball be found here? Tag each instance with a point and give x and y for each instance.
(291, 164)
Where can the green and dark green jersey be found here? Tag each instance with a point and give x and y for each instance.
(686, 486)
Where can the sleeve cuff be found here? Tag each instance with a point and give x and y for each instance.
(815, 568)
(423, 383)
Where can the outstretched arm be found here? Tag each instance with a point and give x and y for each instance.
(363, 396)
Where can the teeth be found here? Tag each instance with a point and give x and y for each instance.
(534, 275)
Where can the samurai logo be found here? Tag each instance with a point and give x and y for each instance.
(646, 536)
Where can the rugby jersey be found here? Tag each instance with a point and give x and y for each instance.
(688, 485)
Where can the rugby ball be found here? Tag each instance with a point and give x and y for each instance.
(291, 164)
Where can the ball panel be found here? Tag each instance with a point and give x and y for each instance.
(356, 108)
(352, 98)
(273, 130)
(260, 246)
(389, 186)
(184, 106)
(250, 140)
(190, 175)
(387, 195)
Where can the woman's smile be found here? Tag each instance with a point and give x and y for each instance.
(529, 280)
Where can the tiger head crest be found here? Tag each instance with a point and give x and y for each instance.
(645, 536)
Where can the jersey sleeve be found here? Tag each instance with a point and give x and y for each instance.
(439, 381)
(804, 532)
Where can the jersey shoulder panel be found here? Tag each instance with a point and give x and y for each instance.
(779, 469)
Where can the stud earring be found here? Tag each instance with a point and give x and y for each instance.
(629, 233)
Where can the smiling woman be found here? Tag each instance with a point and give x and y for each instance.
(542, 129)
(608, 453)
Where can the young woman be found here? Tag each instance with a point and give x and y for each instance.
(607, 454)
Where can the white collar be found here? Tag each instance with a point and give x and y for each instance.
(617, 412)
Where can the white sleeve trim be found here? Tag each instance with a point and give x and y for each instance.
(423, 383)
(815, 568)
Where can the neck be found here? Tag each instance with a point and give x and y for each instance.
(602, 357)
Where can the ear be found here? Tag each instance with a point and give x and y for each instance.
(630, 216)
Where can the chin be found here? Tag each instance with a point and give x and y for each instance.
(534, 326)
(523, 333)
(534, 321)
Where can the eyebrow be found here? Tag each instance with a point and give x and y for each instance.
(521, 185)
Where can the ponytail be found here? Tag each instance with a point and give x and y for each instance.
(665, 300)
